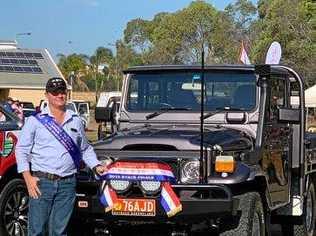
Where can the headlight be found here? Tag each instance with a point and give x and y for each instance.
(150, 187)
(190, 172)
(120, 185)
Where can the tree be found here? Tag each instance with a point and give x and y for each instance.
(177, 38)
(102, 56)
(292, 23)
(172, 38)
(239, 20)
(124, 58)
(77, 64)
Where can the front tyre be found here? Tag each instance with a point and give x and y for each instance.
(252, 218)
(14, 209)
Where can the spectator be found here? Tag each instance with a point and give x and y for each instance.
(2, 117)
(8, 104)
(17, 108)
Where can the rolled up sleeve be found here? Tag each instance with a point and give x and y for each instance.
(24, 145)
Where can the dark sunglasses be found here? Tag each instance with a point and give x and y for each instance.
(56, 93)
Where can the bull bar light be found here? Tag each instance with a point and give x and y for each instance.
(190, 172)
(120, 186)
(150, 187)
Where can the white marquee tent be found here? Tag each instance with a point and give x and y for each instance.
(310, 97)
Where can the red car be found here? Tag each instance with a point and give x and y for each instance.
(13, 193)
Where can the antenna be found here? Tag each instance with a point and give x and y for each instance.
(202, 172)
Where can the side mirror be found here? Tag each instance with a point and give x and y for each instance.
(235, 118)
(102, 114)
(289, 115)
(115, 115)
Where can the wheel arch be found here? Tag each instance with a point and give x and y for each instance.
(10, 174)
(257, 184)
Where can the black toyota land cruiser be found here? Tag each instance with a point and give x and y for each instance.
(249, 164)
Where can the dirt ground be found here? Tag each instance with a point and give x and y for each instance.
(92, 128)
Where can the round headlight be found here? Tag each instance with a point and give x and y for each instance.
(150, 187)
(120, 185)
(190, 172)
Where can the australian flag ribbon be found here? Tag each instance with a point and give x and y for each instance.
(141, 171)
(61, 135)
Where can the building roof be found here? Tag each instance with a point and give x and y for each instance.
(8, 42)
(26, 68)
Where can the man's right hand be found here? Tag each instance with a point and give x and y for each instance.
(31, 184)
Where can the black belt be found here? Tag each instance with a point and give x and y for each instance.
(50, 176)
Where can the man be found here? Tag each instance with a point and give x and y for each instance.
(48, 155)
(18, 109)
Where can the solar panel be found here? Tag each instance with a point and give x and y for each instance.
(19, 54)
(21, 69)
(33, 62)
(26, 55)
(10, 54)
(37, 70)
(38, 55)
(27, 69)
(6, 61)
(17, 69)
(12, 61)
(20, 62)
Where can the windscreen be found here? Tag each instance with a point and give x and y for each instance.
(71, 106)
(149, 92)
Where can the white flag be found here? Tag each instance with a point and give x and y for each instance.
(274, 54)
(243, 57)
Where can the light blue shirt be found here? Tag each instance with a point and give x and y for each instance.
(36, 145)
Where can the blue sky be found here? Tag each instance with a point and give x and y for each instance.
(86, 23)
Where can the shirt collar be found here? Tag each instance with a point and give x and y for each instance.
(68, 116)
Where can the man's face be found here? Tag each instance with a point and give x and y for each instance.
(57, 99)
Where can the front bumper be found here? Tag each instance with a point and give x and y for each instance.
(198, 202)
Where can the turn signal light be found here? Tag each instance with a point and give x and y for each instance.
(225, 164)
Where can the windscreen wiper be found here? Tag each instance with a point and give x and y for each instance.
(166, 109)
(221, 109)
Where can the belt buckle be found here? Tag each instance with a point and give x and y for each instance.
(51, 176)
